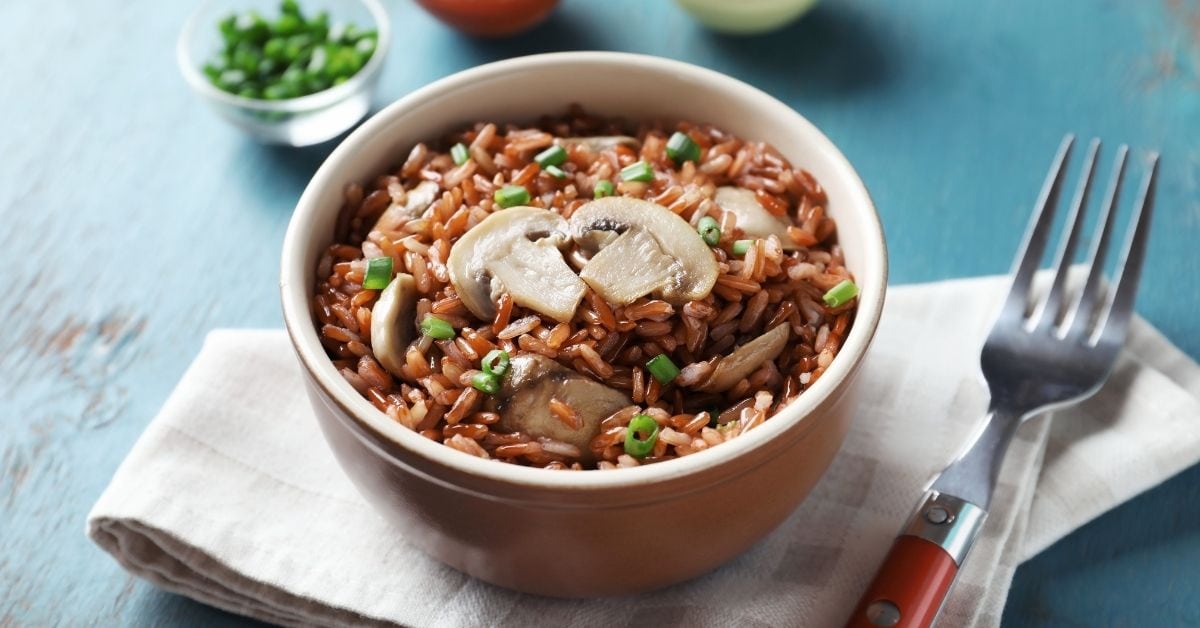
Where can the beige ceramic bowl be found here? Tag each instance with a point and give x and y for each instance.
(594, 532)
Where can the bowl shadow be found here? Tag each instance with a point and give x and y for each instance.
(834, 51)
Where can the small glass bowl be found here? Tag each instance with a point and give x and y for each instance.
(302, 121)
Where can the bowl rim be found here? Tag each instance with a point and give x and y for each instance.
(301, 329)
(310, 102)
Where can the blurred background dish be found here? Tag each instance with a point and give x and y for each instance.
(209, 52)
(746, 17)
(490, 18)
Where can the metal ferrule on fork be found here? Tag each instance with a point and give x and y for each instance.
(948, 522)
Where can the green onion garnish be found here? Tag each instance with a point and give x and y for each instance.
(662, 368)
(553, 156)
(436, 328)
(379, 273)
(741, 246)
(604, 187)
(486, 383)
(459, 153)
(637, 171)
(495, 362)
(710, 230)
(681, 148)
(511, 196)
(555, 172)
(647, 429)
(841, 294)
(286, 57)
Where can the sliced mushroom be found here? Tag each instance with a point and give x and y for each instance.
(656, 251)
(392, 322)
(524, 401)
(752, 218)
(598, 143)
(416, 201)
(516, 251)
(746, 359)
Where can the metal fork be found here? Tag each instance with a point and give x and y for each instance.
(1041, 354)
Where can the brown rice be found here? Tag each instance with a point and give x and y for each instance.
(432, 393)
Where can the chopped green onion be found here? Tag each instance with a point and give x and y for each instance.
(288, 24)
(841, 294)
(436, 328)
(276, 92)
(662, 368)
(681, 148)
(511, 196)
(275, 49)
(379, 273)
(459, 153)
(741, 246)
(640, 436)
(710, 230)
(289, 56)
(555, 172)
(495, 362)
(553, 156)
(637, 171)
(486, 383)
(604, 187)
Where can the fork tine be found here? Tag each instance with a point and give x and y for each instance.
(1049, 310)
(1080, 318)
(1034, 244)
(1120, 303)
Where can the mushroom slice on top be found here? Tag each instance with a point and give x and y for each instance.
(392, 322)
(746, 359)
(656, 251)
(752, 218)
(533, 380)
(516, 250)
(416, 201)
(598, 143)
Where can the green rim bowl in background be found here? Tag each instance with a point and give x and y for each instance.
(746, 17)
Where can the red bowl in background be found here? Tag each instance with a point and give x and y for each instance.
(490, 18)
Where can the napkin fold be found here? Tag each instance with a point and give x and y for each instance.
(231, 497)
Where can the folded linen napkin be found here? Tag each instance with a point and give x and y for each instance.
(231, 497)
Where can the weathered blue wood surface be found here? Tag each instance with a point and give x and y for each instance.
(134, 222)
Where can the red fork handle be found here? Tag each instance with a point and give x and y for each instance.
(909, 588)
(914, 579)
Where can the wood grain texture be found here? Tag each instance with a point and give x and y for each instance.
(135, 221)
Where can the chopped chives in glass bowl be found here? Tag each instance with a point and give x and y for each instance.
(286, 71)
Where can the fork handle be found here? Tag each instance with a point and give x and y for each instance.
(912, 583)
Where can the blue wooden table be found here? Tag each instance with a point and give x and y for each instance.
(134, 221)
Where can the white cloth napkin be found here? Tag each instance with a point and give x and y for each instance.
(231, 497)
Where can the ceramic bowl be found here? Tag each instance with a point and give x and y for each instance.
(585, 533)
